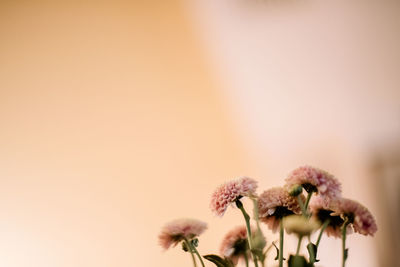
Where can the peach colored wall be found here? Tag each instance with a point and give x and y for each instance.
(110, 126)
(316, 82)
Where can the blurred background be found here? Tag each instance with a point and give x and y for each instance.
(119, 116)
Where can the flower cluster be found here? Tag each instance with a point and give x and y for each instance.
(309, 201)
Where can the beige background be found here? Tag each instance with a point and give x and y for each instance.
(117, 117)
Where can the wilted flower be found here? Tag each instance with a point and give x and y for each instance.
(359, 216)
(315, 180)
(274, 204)
(175, 231)
(323, 212)
(231, 191)
(300, 225)
(235, 245)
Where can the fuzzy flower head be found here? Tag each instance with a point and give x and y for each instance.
(276, 203)
(175, 231)
(315, 180)
(359, 216)
(231, 191)
(235, 245)
(327, 212)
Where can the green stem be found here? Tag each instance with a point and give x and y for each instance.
(281, 244)
(308, 200)
(198, 255)
(298, 245)
(326, 223)
(249, 238)
(344, 250)
(246, 259)
(256, 216)
(191, 252)
(301, 204)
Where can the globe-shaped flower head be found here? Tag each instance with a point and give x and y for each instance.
(176, 231)
(231, 191)
(315, 180)
(359, 217)
(276, 203)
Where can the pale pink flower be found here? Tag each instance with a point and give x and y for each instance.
(276, 203)
(360, 217)
(361, 220)
(235, 244)
(323, 211)
(231, 191)
(314, 179)
(175, 231)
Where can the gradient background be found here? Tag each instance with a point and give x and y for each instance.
(117, 117)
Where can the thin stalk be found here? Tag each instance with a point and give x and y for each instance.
(298, 245)
(249, 238)
(198, 255)
(191, 252)
(344, 252)
(281, 244)
(259, 233)
(308, 200)
(326, 223)
(246, 259)
(301, 204)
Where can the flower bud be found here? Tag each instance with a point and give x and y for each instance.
(300, 225)
(295, 190)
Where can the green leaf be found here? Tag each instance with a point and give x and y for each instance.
(277, 252)
(312, 251)
(298, 261)
(218, 261)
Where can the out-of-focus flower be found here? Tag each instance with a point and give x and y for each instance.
(300, 225)
(231, 191)
(323, 212)
(235, 245)
(175, 231)
(359, 216)
(274, 204)
(316, 180)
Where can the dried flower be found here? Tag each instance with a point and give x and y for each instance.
(300, 225)
(175, 231)
(315, 180)
(358, 216)
(231, 191)
(323, 211)
(235, 245)
(274, 204)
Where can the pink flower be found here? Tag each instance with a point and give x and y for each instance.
(276, 203)
(359, 216)
(317, 180)
(231, 191)
(235, 245)
(361, 220)
(323, 211)
(175, 231)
